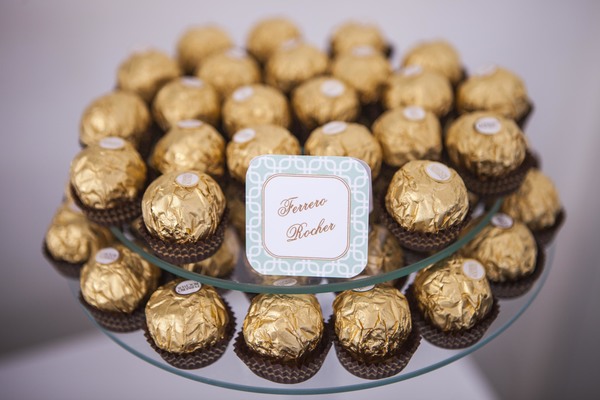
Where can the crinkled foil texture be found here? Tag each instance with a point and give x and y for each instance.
(284, 327)
(199, 42)
(269, 139)
(313, 108)
(437, 56)
(449, 299)
(486, 156)
(146, 72)
(121, 285)
(354, 34)
(105, 178)
(419, 203)
(536, 203)
(226, 73)
(428, 89)
(181, 323)
(288, 67)
(372, 324)
(384, 254)
(118, 113)
(367, 74)
(501, 92)
(266, 37)
(355, 141)
(403, 140)
(180, 214)
(222, 262)
(199, 148)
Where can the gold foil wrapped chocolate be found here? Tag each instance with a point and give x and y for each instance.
(222, 262)
(536, 203)
(185, 316)
(198, 43)
(255, 105)
(255, 141)
(190, 145)
(454, 293)
(118, 113)
(108, 174)
(183, 207)
(324, 99)
(345, 140)
(228, 70)
(384, 254)
(283, 326)
(117, 279)
(186, 98)
(353, 34)
(268, 35)
(372, 324)
(407, 134)
(486, 144)
(439, 56)
(427, 196)
(146, 72)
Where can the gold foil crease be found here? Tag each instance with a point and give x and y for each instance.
(367, 74)
(180, 214)
(486, 156)
(384, 252)
(266, 37)
(372, 324)
(403, 140)
(121, 285)
(283, 326)
(198, 43)
(289, 67)
(355, 141)
(222, 262)
(353, 34)
(536, 203)
(419, 203)
(428, 89)
(104, 178)
(439, 56)
(448, 298)
(226, 73)
(181, 323)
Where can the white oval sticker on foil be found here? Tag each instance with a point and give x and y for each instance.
(189, 123)
(332, 88)
(107, 255)
(244, 135)
(363, 51)
(285, 282)
(112, 143)
(243, 93)
(335, 127)
(236, 53)
(486, 70)
(362, 288)
(411, 70)
(188, 287)
(190, 81)
(187, 179)
(488, 125)
(503, 221)
(414, 113)
(473, 269)
(438, 171)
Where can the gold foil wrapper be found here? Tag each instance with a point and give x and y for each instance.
(354, 140)
(366, 72)
(353, 34)
(268, 35)
(183, 323)
(536, 203)
(200, 148)
(146, 72)
(186, 98)
(293, 64)
(500, 92)
(119, 286)
(255, 105)
(198, 43)
(325, 99)
(119, 113)
(372, 324)
(439, 56)
(183, 213)
(384, 252)
(485, 155)
(266, 139)
(222, 262)
(236, 204)
(450, 299)
(421, 203)
(403, 139)
(228, 70)
(283, 326)
(104, 178)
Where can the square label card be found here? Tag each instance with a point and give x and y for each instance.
(307, 216)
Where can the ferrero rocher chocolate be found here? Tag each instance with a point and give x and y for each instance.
(255, 105)
(185, 316)
(353, 34)
(117, 279)
(324, 99)
(427, 196)
(454, 293)
(222, 262)
(407, 134)
(413, 86)
(198, 43)
(486, 144)
(266, 37)
(118, 113)
(190, 145)
(186, 98)
(293, 64)
(146, 72)
(384, 254)
(107, 174)
(255, 141)
(283, 326)
(495, 90)
(228, 70)
(439, 56)
(346, 140)
(372, 324)
(536, 203)
(183, 207)
(365, 69)
(506, 248)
